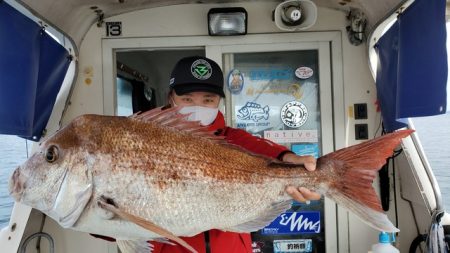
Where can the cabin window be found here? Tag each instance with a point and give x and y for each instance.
(434, 134)
(124, 99)
(142, 81)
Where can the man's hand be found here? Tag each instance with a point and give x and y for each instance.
(301, 194)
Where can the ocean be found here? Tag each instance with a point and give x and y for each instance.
(434, 133)
(13, 152)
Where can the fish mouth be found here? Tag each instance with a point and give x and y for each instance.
(16, 184)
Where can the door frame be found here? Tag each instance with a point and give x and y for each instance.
(333, 123)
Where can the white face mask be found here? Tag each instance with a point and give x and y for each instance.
(206, 115)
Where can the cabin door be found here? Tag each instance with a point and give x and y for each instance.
(281, 92)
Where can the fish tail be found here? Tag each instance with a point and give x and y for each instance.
(356, 168)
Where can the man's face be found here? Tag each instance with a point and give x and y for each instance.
(199, 98)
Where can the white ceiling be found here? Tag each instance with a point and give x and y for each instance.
(75, 17)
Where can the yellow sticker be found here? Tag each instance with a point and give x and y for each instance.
(350, 112)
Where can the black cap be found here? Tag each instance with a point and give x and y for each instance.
(197, 73)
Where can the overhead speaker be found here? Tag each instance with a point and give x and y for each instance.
(295, 15)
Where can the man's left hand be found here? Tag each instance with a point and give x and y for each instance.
(301, 194)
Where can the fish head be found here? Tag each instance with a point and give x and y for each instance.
(243, 112)
(54, 175)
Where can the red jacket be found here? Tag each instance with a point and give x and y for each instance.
(219, 241)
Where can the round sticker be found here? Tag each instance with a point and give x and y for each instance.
(201, 69)
(235, 81)
(304, 72)
(294, 114)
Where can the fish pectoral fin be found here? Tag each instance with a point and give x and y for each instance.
(129, 246)
(263, 219)
(144, 223)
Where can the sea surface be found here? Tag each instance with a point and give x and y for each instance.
(434, 133)
(13, 152)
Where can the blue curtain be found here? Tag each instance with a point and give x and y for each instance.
(32, 68)
(412, 70)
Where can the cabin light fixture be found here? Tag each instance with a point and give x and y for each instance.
(227, 21)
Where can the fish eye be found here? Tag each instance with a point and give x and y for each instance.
(51, 155)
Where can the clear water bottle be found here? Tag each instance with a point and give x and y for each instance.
(384, 244)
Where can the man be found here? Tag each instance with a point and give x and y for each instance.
(196, 85)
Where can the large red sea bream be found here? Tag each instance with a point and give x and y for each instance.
(155, 176)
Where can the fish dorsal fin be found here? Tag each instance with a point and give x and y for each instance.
(172, 118)
(102, 202)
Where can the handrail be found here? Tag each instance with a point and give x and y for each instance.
(427, 166)
(23, 247)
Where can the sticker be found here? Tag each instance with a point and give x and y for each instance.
(201, 69)
(290, 136)
(294, 114)
(306, 149)
(271, 74)
(257, 247)
(294, 223)
(291, 89)
(253, 111)
(293, 246)
(113, 28)
(235, 81)
(304, 72)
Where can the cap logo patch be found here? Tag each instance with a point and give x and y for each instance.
(201, 69)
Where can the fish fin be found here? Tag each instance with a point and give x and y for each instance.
(356, 168)
(373, 218)
(263, 220)
(173, 119)
(144, 223)
(130, 246)
(164, 240)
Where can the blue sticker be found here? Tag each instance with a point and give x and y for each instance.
(235, 81)
(294, 223)
(306, 149)
(253, 111)
(271, 74)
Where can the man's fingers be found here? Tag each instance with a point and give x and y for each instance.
(295, 194)
(307, 194)
(310, 165)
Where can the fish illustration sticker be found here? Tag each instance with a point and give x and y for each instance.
(294, 114)
(235, 81)
(253, 111)
(304, 72)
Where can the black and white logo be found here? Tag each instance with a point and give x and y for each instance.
(294, 114)
(114, 28)
(201, 69)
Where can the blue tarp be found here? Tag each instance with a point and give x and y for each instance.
(412, 69)
(32, 68)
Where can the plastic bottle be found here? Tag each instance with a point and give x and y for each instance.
(384, 244)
